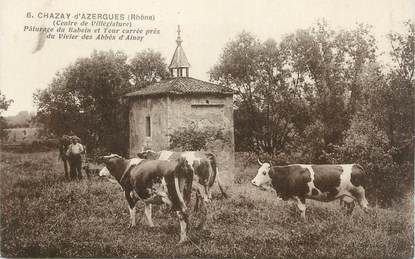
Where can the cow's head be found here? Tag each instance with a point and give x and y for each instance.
(104, 172)
(111, 161)
(148, 154)
(262, 176)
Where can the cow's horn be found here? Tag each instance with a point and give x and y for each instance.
(259, 162)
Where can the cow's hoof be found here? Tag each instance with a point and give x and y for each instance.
(131, 226)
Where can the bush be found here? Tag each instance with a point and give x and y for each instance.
(191, 138)
(369, 146)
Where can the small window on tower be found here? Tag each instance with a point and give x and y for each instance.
(148, 126)
(207, 101)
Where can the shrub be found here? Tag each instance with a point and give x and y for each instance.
(369, 146)
(192, 138)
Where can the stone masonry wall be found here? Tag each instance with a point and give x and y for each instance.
(207, 111)
(174, 112)
(156, 108)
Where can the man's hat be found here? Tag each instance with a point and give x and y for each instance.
(75, 138)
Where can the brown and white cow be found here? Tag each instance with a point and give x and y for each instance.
(204, 168)
(318, 182)
(203, 164)
(153, 182)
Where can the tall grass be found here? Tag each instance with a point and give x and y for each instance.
(42, 215)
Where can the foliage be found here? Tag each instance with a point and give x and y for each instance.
(4, 105)
(268, 110)
(323, 96)
(381, 136)
(147, 67)
(20, 120)
(368, 146)
(192, 138)
(86, 98)
(42, 215)
(287, 91)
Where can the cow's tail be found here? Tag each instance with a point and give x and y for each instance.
(183, 178)
(187, 191)
(214, 176)
(213, 168)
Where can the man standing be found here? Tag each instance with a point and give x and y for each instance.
(64, 143)
(74, 154)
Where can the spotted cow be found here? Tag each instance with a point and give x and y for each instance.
(317, 182)
(153, 182)
(204, 168)
(203, 164)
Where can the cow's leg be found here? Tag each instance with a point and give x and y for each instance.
(131, 207)
(184, 221)
(196, 208)
(179, 194)
(359, 193)
(65, 167)
(221, 189)
(147, 212)
(204, 212)
(341, 203)
(78, 166)
(87, 171)
(71, 167)
(201, 189)
(347, 203)
(162, 192)
(301, 206)
(349, 207)
(207, 191)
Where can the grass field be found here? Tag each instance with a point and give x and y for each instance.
(42, 215)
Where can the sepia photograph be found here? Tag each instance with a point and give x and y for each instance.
(207, 129)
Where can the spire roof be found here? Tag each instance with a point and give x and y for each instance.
(179, 59)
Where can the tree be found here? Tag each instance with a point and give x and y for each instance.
(381, 136)
(399, 96)
(86, 98)
(4, 105)
(325, 66)
(287, 93)
(147, 67)
(268, 109)
(58, 108)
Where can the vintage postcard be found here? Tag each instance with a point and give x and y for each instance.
(211, 129)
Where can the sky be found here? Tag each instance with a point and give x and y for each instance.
(206, 27)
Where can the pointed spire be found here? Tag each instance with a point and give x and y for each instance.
(179, 61)
(179, 40)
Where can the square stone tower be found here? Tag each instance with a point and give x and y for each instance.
(160, 109)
